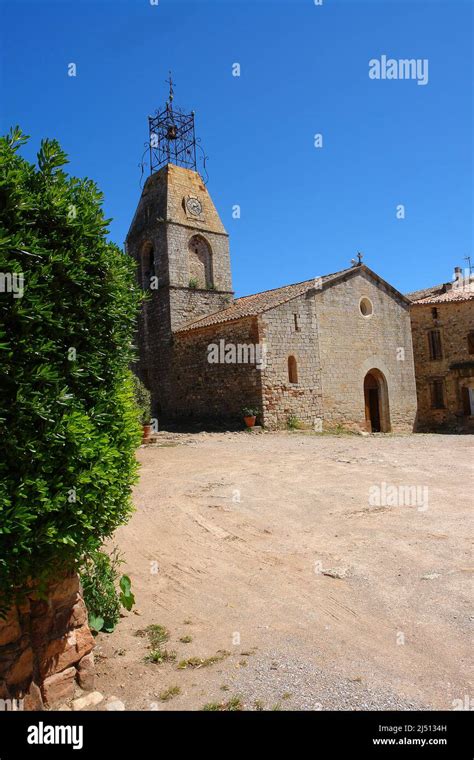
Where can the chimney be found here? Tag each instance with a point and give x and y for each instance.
(457, 274)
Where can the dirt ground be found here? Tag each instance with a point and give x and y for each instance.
(230, 545)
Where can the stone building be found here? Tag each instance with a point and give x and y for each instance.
(334, 350)
(442, 320)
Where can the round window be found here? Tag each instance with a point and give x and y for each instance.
(365, 306)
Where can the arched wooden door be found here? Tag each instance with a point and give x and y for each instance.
(377, 413)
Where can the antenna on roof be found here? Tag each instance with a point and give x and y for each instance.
(468, 259)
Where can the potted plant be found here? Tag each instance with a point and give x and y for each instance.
(143, 402)
(146, 431)
(249, 415)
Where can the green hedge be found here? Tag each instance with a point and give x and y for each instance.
(68, 422)
(143, 400)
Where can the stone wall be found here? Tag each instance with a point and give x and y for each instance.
(282, 399)
(334, 347)
(203, 390)
(350, 345)
(163, 223)
(46, 647)
(180, 270)
(188, 304)
(454, 320)
(156, 339)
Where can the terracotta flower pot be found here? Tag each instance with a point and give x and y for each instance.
(146, 432)
(250, 421)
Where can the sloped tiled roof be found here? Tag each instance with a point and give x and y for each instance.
(453, 295)
(435, 290)
(249, 306)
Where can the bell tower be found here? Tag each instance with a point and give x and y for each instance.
(180, 246)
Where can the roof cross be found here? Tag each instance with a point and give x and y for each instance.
(170, 82)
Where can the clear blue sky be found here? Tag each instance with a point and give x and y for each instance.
(304, 70)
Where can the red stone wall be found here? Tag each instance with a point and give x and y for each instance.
(46, 647)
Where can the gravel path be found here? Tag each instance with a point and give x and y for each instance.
(271, 540)
(276, 681)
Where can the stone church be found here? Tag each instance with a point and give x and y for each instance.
(332, 351)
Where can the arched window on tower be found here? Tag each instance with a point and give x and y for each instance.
(148, 265)
(292, 370)
(200, 263)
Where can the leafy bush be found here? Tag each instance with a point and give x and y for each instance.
(293, 423)
(142, 400)
(99, 576)
(249, 411)
(68, 422)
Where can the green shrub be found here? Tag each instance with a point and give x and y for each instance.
(293, 423)
(102, 595)
(99, 576)
(142, 400)
(68, 422)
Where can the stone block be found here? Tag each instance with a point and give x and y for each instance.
(115, 705)
(21, 669)
(86, 672)
(66, 650)
(64, 589)
(89, 700)
(79, 615)
(33, 699)
(59, 687)
(67, 617)
(41, 627)
(10, 628)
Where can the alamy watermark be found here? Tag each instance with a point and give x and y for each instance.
(11, 705)
(12, 282)
(386, 495)
(237, 353)
(402, 68)
(467, 703)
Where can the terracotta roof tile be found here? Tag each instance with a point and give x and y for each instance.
(435, 290)
(453, 295)
(249, 306)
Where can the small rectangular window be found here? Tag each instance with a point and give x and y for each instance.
(297, 324)
(434, 341)
(470, 342)
(437, 394)
(434, 312)
(466, 401)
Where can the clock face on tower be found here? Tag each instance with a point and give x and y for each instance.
(193, 205)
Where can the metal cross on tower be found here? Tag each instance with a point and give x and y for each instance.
(172, 136)
(171, 95)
